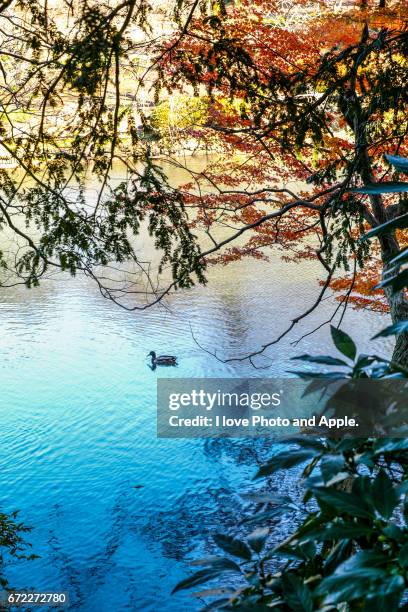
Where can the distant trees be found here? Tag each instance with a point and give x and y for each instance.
(176, 120)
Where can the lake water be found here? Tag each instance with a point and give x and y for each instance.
(78, 426)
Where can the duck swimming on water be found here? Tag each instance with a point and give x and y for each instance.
(164, 360)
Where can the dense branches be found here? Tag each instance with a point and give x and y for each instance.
(70, 76)
(318, 104)
(299, 106)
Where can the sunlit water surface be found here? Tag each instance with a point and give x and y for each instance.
(117, 513)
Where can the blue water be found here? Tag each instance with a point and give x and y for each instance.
(78, 428)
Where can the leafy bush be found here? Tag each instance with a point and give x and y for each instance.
(357, 365)
(348, 547)
(12, 542)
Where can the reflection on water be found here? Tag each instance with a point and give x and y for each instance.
(115, 511)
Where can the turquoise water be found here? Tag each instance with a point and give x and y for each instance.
(78, 426)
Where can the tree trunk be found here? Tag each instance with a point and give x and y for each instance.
(397, 302)
(399, 312)
(400, 354)
(390, 247)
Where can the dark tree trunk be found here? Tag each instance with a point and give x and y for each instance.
(382, 4)
(397, 302)
(390, 247)
(400, 354)
(399, 312)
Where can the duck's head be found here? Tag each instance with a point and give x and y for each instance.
(152, 354)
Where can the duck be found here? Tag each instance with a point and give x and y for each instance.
(163, 360)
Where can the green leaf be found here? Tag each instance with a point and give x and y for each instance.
(400, 163)
(343, 342)
(386, 596)
(285, 460)
(331, 465)
(378, 188)
(401, 258)
(397, 282)
(290, 552)
(354, 578)
(218, 563)
(402, 488)
(232, 546)
(338, 531)
(297, 594)
(390, 446)
(397, 223)
(362, 489)
(347, 587)
(403, 556)
(385, 496)
(394, 532)
(309, 550)
(200, 577)
(337, 478)
(257, 539)
(365, 459)
(323, 359)
(261, 517)
(317, 375)
(363, 363)
(338, 553)
(393, 330)
(365, 559)
(342, 502)
(265, 497)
